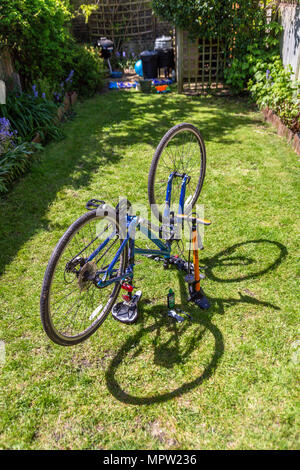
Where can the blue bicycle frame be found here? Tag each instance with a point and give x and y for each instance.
(133, 223)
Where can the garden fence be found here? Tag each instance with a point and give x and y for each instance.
(290, 42)
(200, 63)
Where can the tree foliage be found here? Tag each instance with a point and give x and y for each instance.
(208, 18)
(36, 32)
(44, 51)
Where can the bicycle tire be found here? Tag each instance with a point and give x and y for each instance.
(167, 138)
(45, 304)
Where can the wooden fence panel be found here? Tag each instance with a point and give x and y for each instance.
(202, 64)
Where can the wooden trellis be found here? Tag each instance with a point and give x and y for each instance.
(200, 63)
(121, 20)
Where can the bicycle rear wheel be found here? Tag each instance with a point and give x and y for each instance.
(72, 306)
(181, 151)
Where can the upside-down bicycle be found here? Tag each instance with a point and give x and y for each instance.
(95, 257)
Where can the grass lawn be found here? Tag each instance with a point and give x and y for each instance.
(228, 380)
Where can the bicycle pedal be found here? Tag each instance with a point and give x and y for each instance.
(127, 312)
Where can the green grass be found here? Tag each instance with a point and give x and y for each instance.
(225, 381)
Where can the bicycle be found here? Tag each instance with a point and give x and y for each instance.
(95, 257)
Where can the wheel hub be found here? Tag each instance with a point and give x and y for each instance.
(87, 275)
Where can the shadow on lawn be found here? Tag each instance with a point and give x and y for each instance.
(167, 354)
(89, 145)
(228, 258)
(170, 353)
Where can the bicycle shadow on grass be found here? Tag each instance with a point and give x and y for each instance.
(231, 258)
(167, 354)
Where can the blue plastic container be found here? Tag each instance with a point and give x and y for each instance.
(139, 68)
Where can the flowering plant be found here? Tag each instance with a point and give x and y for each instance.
(126, 61)
(272, 86)
(65, 87)
(7, 136)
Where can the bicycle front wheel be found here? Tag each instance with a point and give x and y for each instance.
(181, 151)
(72, 306)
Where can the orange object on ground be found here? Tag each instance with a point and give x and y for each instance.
(161, 87)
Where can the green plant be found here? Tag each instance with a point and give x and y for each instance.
(88, 69)
(14, 162)
(263, 47)
(37, 34)
(208, 18)
(86, 10)
(7, 136)
(272, 86)
(126, 61)
(45, 88)
(31, 114)
(44, 51)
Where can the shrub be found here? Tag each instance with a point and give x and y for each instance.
(211, 18)
(29, 114)
(14, 162)
(44, 51)
(7, 136)
(242, 66)
(36, 32)
(14, 156)
(272, 87)
(88, 69)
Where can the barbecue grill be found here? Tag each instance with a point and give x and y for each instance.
(106, 49)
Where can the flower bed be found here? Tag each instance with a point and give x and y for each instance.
(282, 129)
(69, 100)
(28, 120)
(15, 156)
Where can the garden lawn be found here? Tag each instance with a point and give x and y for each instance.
(227, 380)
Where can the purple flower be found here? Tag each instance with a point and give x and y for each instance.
(35, 92)
(268, 75)
(124, 54)
(70, 76)
(57, 97)
(118, 54)
(7, 136)
(43, 96)
(4, 123)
